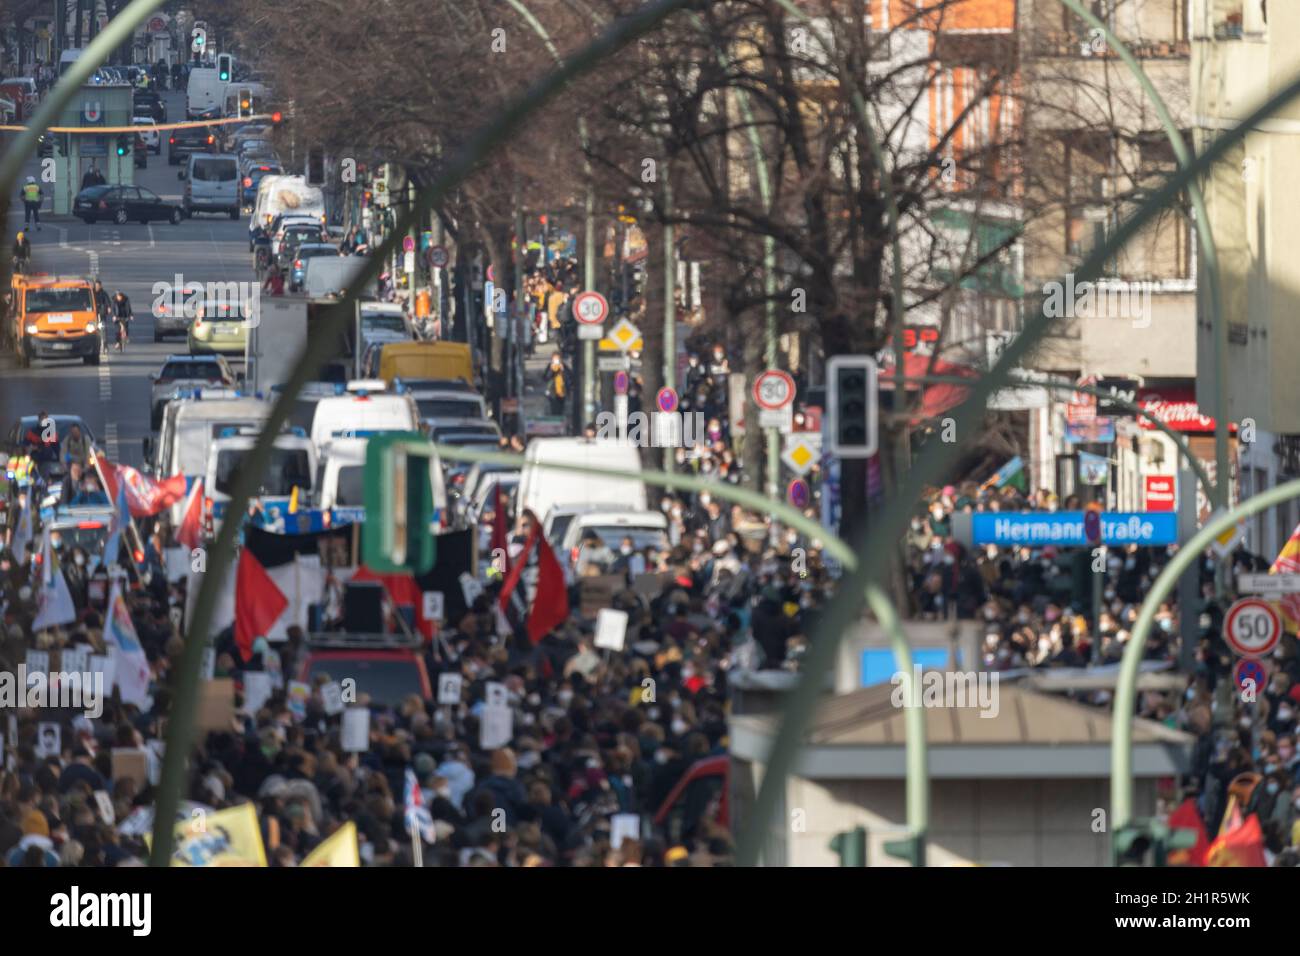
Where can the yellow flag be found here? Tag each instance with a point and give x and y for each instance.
(221, 838)
(337, 850)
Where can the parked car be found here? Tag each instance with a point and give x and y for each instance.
(123, 204)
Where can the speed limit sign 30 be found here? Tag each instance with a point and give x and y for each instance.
(1252, 627)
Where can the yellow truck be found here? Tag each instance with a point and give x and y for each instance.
(54, 317)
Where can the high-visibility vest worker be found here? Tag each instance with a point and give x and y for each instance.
(31, 192)
(20, 470)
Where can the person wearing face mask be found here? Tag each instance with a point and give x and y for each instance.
(74, 572)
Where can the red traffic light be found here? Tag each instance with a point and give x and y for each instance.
(542, 220)
(277, 117)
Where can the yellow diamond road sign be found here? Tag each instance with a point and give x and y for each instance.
(800, 455)
(624, 336)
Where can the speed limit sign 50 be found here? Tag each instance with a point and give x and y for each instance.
(1252, 627)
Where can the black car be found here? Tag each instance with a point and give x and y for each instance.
(123, 204)
(189, 139)
(156, 107)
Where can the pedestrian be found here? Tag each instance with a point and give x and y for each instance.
(274, 282)
(556, 384)
(32, 198)
(92, 176)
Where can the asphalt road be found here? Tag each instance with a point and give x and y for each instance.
(113, 398)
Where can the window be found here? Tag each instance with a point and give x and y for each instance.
(59, 300)
(431, 408)
(148, 195)
(350, 492)
(204, 371)
(289, 469)
(214, 170)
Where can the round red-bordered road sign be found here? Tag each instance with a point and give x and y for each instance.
(1252, 627)
(1250, 669)
(773, 389)
(666, 399)
(590, 308)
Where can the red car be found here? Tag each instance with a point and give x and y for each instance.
(387, 675)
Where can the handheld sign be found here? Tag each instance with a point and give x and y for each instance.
(1252, 627)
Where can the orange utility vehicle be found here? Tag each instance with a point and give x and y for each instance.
(53, 317)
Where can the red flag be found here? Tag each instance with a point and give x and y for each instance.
(190, 533)
(1187, 817)
(517, 569)
(500, 538)
(551, 603)
(145, 496)
(1240, 846)
(258, 603)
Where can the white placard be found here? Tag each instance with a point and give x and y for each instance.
(331, 696)
(433, 605)
(49, 739)
(1268, 583)
(471, 587)
(257, 690)
(75, 660)
(496, 727)
(781, 419)
(449, 687)
(105, 804)
(624, 826)
(591, 333)
(495, 694)
(356, 729)
(107, 665)
(38, 662)
(611, 628)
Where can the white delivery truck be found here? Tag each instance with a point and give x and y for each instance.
(340, 484)
(541, 488)
(206, 93)
(274, 342)
(284, 194)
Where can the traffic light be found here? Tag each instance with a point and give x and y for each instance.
(851, 846)
(1135, 840)
(277, 118)
(911, 849)
(225, 67)
(245, 103)
(316, 166)
(123, 145)
(852, 409)
(398, 496)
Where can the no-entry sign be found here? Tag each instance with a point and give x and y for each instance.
(1252, 627)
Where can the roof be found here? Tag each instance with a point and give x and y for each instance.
(1025, 734)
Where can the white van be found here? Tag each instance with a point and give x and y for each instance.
(542, 488)
(340, 484)
(188, 429)
(293, 465)
(360, 415)
(67, 58)
(284, 194)
(211, 184)
(205, 93)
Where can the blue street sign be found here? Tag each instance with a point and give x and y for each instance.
(1065, 529)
